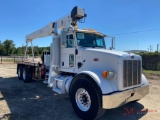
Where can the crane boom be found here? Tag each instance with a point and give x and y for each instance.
(52, 28)
(45, 31)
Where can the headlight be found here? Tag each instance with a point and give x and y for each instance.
(109, 75)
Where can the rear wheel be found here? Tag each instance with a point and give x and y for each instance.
(86, 99)
(26, 75)
(20, 72)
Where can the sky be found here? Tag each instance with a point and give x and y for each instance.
(135, 24)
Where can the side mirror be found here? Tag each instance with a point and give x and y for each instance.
(112, 43)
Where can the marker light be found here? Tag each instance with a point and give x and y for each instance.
(92, 30)
(85, 29)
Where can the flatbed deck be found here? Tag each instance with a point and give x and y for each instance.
(30, 63)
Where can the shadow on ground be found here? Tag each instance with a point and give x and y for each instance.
(35, 101)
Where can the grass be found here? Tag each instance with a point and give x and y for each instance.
(7, 60)
(152, 74)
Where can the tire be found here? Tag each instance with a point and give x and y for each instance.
(20, 72)
(86, 99)
(26, 75)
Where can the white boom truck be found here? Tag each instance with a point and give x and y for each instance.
(80, 65)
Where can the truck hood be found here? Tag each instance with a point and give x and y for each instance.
(99, 60)
(111, 52)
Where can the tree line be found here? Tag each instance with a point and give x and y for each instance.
(150, 60)
(7, 48)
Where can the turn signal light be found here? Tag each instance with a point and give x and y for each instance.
(105, 74)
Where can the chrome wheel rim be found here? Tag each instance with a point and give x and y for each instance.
(83, 99)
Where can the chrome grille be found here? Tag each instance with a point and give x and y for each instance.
(131, 72)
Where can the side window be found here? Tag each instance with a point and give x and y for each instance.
(70, 41)
(99, 42)
(71, 60)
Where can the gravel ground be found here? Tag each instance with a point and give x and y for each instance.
(35, 101)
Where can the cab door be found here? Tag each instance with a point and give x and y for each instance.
(68, 58)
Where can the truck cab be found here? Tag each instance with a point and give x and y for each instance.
(74, 44)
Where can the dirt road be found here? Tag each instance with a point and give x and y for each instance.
(35, 101)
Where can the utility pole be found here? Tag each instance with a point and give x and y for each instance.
(157, 47)
(151, 48)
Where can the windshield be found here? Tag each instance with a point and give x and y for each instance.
(90, 40)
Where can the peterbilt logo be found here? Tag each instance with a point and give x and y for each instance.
(95, 59)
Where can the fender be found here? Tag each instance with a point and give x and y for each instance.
(144, 80)
(103, 84)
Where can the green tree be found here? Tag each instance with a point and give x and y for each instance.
(36, 50)
(2, 49)
(9, 46)
(18, 51)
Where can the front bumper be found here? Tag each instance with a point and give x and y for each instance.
(120, 98)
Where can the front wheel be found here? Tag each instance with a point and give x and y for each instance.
(86, 99)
